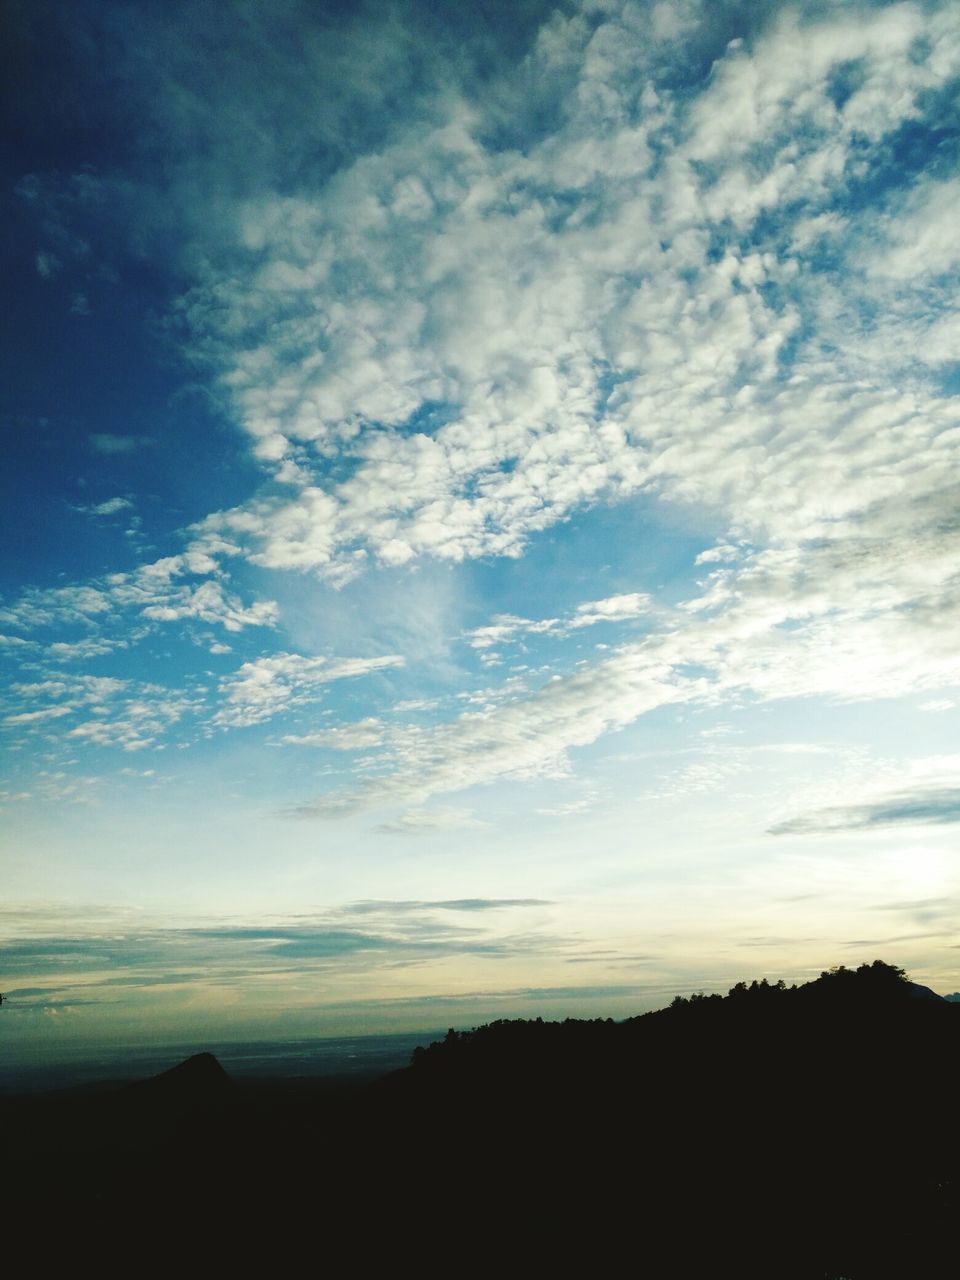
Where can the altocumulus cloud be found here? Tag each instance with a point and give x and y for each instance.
(659, 249)
(268, 686)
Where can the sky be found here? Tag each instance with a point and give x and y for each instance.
(480, 509)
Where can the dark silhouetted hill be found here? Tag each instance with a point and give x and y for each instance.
(811, 1127)
(199, 1077)
(804, 1131)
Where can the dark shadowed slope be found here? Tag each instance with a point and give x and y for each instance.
(778, 1132)
(200, 1076)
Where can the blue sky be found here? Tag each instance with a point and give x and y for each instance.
(480, 505)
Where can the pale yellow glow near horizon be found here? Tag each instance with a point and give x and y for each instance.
(918, 870)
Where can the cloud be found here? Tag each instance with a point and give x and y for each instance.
(783, 624)
(534, 996)
(31, 717)
(918, 238)
(939, 806)
(613, 609)
(595, 271)
(209, 602)
(156, 591)
(111, 507)
(106, 443)
(268, 686)
(106, 712)
(504, 627)
(137, 722)
(417, 821)
(528, 429)
(17, 644)
(349, 737)
(48, 264)
(526, 738)
(57, 606)
(108, 508)
(713, 312)
(132, 715)
(94, 690)
(392, 905)
(109, 961)
(69, 651)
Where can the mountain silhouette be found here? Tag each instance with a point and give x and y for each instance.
(920, 992)
(785, 1132)
(200, 1076)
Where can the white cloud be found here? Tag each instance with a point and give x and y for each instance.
(525, 738)
(924, 804)
(507, 627)
(349, 737)
(69, 651)
(269, 686)
(504, 627)
(415, 822)
(921, 238)
(507, 306)
(708, 296)
(110, 507)
(209, 602)
(83, 689)
(17, 644)
(823, 622)
(126, 714)
(152, 590)
(613, 609)
(30, 717)
(415, 704)
(57, 606)
(138, 722)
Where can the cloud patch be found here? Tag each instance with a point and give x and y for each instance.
(417, 822)
(107, 444)
(390, 905)
(926, 806)
(613, 609)
(268, 686)
(358, 736)
(109, 508)
(111, 965)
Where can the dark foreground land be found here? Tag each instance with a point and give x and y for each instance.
(778, 1132)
